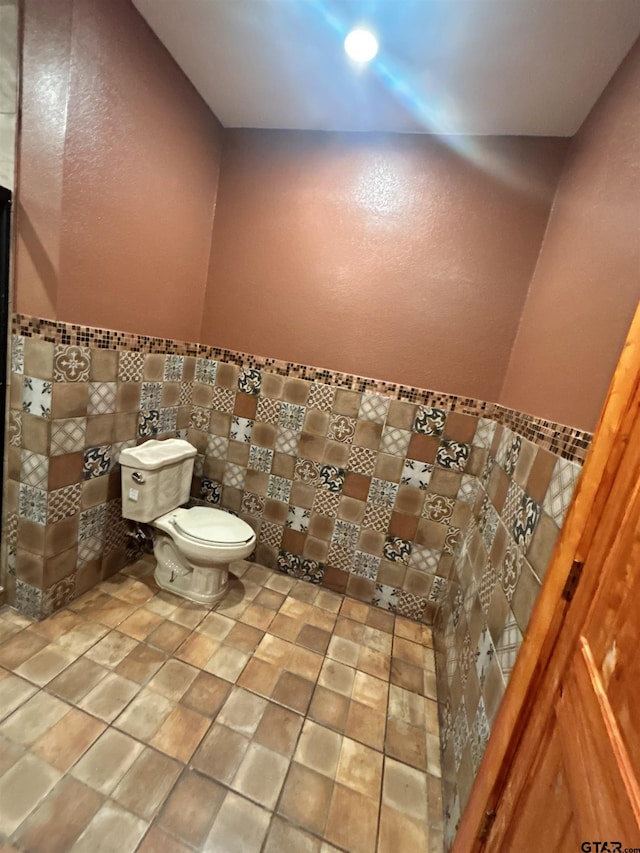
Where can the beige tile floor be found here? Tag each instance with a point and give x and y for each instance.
(290, 719)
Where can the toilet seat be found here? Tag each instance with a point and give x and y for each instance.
(210, 526)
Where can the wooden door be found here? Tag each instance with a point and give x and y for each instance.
(562, 768)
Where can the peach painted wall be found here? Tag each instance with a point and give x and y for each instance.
(587, 281)
(119, 163)
(396, 257)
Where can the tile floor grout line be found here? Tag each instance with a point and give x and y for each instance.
(169, 655)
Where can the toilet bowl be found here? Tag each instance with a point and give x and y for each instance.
(193, 547)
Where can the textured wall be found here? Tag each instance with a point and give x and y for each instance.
(389, 256)
(587, 281)
(118, 174)
(8, 89)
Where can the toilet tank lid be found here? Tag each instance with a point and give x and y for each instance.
(154, 454)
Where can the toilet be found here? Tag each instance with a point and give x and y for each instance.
(193, 547)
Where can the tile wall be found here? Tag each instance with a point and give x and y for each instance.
(440, 508)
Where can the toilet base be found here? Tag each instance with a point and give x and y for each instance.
(204, 586)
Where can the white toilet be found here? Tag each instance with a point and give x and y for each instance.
(193, 547)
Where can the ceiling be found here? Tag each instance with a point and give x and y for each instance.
(515, 67)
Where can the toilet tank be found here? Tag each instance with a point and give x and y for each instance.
(156, 477)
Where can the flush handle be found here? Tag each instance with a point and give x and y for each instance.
(137, 477)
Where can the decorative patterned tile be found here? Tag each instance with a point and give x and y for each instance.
(340, 558)
(410, 605)
(200, 418)
(508, 645)
(28, 600)
(466, 656)
(560, 491)
(68, 436)
(59, 595)
(377, 517)
(488, 583)
(268, 411)
(32, 504)
(326, 503)
(512, 504)
(468, 491)
(484, 433)
(453, 455)
(429, 421)
(291, 416)
(488, 522)
(271, 534)
(298, 518)
(279, 488)
(92, 523)
(185, 394)
(116, 530)
(260, 458)
(321, 397)
(416, 474)
(130, 366)
(34, 469)
(452, 540)
(479, 735)
(17, 354)
(458, 603)
(524, 523)
(439, 590)
(395, 441)
(250, 381)
(234, 475)
(151, 395)
(365, 565)
(206, 371)
(97, 461)
(211, 491)
(508, 450)
(298, 567)
(510, 570)
(307, 471)
(253, 505)
(342, 429)
(241, 429)
(362, 460)
(382, 492)
(173, 368)
(397, 550)
(148, 422)
(14, 428)
(36, 396)
(332, 478)
(64, 503)
(224, 399)
(345, 534)
(386, 597)
(218, 447)
(287, 441)
(71, 363)
(89, 550)
(102, 398)
(485, 652)
(512, 454)
(424, 559)
(438, 508)
(167, 419)
(374, 408)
